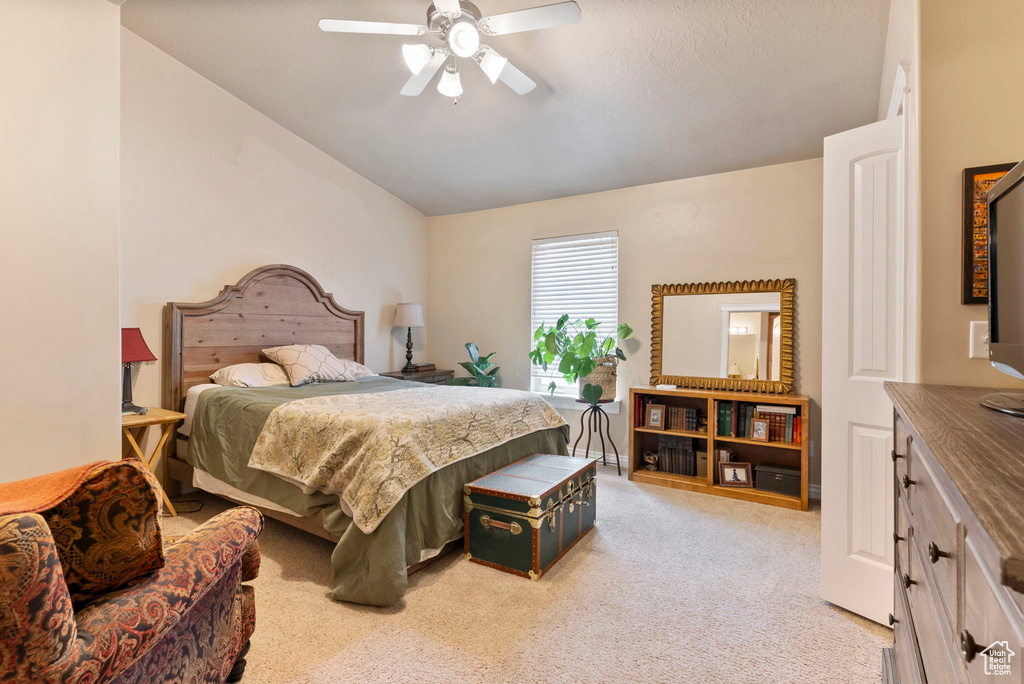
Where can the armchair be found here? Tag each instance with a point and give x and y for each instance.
(90, 592)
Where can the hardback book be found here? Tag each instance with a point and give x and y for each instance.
(773, 408)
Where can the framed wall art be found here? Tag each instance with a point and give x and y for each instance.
(977, 182)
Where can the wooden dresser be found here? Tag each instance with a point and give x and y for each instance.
(959, 572)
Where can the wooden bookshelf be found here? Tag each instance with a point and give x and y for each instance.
(642, 439)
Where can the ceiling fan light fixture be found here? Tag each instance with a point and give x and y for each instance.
(464, 39)
(450, 84)
(417, 57)
(492, 63)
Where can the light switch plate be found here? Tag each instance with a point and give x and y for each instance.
(979, 339)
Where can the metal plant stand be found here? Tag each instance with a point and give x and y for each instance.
(593, 415)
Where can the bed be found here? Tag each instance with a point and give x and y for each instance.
(280, 305)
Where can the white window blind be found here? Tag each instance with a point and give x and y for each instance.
(576, 275)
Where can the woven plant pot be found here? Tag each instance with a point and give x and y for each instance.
(604, 375)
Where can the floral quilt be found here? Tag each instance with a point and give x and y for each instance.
(370, 449)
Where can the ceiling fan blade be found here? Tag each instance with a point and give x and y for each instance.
(418, 83)
(548, 16)
(516, 79)
(377, 27)
(448, 6)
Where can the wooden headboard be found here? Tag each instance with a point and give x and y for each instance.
(272, 305)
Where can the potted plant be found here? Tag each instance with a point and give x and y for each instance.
(482, 371)
(581, 357)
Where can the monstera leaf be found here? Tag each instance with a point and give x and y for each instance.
(592, 393)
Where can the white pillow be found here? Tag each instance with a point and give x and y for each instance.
(250, 375)
(315, 363)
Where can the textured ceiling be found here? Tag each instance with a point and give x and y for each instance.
(641, 91)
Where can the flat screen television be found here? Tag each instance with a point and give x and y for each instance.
(1006, 285)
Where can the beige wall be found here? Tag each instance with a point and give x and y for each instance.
(60, 343)
(213, 189)
(747, 225)
(972, 114)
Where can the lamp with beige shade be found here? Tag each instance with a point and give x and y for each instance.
(408, 316)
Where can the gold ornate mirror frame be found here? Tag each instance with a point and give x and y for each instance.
(787, 293)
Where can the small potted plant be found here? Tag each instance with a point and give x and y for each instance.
(483, 373)
(581, 357)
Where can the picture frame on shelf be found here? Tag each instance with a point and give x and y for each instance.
(735, 475)
(655, 418)
(759, 430)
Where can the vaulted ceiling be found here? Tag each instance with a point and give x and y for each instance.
(641, 91)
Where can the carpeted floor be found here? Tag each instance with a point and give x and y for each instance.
(670, 587)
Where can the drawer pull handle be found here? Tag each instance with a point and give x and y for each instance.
(895, 455)
(934, 554)
(907, 482)
(513, 527)
(892, 620)
(968, 647)
(907, 582)
(896, 538)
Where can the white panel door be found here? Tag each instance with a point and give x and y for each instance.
(863, 338)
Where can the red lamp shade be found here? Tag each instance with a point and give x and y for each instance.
(133, 347)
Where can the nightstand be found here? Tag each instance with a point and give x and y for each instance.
(140, 424)
(434, 377)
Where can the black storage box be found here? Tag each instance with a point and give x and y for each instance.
(780, 479)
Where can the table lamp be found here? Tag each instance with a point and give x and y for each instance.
(133, 350)
(408, 316)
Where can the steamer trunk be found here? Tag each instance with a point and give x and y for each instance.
(526, 516)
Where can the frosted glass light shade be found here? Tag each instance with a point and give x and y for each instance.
(463, 39)
(408, 315)
(492, 64)
(450, 84)
(417, 57)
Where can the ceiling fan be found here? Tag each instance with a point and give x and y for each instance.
(458, 25)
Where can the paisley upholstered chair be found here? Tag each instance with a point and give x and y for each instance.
(90, 591)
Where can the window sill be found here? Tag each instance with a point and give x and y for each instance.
(569, 404)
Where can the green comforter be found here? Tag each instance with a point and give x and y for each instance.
(368, 568)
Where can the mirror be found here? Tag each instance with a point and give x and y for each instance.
(736, 336)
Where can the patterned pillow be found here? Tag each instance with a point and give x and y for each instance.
(306, 363)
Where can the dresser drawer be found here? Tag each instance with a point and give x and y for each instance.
(904, 530)
(936, 534)
(935, 638)
(908, 661)
(985, 624)
(900, 454)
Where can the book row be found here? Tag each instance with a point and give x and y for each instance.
(764, 422)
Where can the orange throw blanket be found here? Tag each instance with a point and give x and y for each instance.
(42, 493)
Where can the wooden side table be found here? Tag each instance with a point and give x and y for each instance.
(134, 426)
(433, 377)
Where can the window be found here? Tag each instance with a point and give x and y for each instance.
(576, 275)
